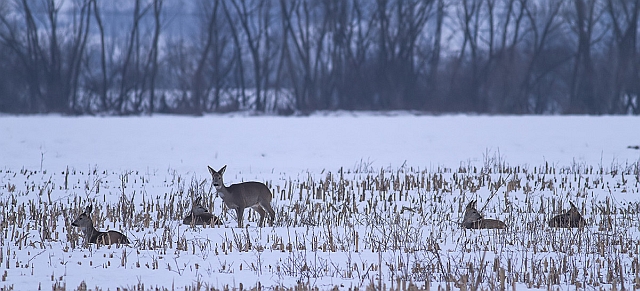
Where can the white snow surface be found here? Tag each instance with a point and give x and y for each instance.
(51, 167)
(313, 143)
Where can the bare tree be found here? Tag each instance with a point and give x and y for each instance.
(434, 58)
(103, 86)
(626, 88)
(300, 20)
(28, 51)
(502, 69)
(583, 95)
(356, 91)
(340, 32)
(152, 62)
(285, 54)
(543, 23)
(238, 53)
(491, 56)
(399, 23)
(51, 62)
(198, 78)
(77, 53)
(254, 22)
(220, 65)
(464, 78)
(129, 80)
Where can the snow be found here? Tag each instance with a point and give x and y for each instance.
(311, 143)
(157, 166)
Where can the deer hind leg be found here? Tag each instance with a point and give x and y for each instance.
(269, 209)
(260, 211)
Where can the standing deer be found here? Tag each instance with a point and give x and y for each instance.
(569, 219)
(92, 235)
(474, 220)
(199, 215)
(242, 195)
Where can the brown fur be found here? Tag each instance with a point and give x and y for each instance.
(242, 195)
(570, 219)
(474, 220)
(92, 235)
(201, 214)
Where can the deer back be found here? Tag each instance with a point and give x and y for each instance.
(570, 219)
(109, 237)
(487, 223)
(205, 218)
(248, 194)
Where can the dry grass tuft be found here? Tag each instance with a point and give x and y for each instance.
(391, 229)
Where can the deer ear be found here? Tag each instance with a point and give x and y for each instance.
(222, 169)
(471, 204)
(572, 206)
(88, 209)
(211, 170)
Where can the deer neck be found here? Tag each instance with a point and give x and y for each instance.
(223, 192)
(90, 233)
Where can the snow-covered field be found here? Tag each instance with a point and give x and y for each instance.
(361, 200)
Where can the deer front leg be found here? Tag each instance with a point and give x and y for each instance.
(239, 212)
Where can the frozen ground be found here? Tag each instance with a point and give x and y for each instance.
(361, 200)
(312, 143)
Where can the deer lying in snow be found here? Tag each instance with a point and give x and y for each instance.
(92, 235)
(199, 215)
(474, 220)
(569, 219)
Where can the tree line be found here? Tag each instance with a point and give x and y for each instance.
(286, 56)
